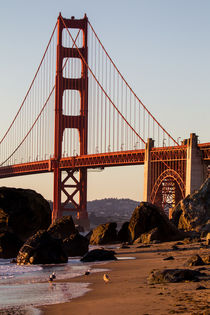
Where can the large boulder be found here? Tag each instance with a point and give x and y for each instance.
(42, 248)
(23, 212)
(193, 212)
(104, 234)
(62, 228)
(99, 255)
(75, 245)
(147, 217)
(9, 245)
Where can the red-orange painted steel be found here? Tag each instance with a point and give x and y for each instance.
(62, 122)
(135, 157)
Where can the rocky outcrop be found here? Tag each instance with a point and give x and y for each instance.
(75, 245)
(174, 275)
(22, 213)
(9, 245)
(152, 236)
(151, 223)
(99, 255)
(193, 212)
(62, 228)
(123, 234)
(104, 234)
(42, 248)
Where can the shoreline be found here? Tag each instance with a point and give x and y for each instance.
(129, 293)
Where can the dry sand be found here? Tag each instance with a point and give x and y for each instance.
(129, 293)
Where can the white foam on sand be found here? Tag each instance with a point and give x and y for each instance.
(37, 294)
(23, 288)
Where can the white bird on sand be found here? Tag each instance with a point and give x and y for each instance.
(106, 278)
(50, 279)
(53, 275)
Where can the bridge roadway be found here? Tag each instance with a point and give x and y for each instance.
(134, 157)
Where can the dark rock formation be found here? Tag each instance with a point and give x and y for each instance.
(123, 234)
(206, 259)
(9, 245)
(208, 239)
(62, 228)
(149, 237)
(169, 258)
(23, 212)
(174, 275)
(75, 245)
(42, 248)
(149, 218)
(193, 212)
(195, 260)
(104, 234)
(88, 235)
(99, 255)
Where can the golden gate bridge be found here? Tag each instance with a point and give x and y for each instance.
(79, 113)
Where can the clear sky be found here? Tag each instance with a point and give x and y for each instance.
(162, 47)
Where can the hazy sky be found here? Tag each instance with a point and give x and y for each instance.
(162, 47)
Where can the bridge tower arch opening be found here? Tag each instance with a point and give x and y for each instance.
(168, 190)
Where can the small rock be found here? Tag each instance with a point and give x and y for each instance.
(200, 287)
(143, 246)
(174, 247)
(169, 258)
(195, 260)
(173, 275)
(124, 246)
(99, 255)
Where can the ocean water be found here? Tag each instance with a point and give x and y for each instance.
(24, 288)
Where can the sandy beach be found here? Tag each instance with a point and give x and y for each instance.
(128, 292)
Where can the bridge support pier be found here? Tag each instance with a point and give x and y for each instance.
(147, 170)
(195, 167)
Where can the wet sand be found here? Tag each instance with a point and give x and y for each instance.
(128, 292)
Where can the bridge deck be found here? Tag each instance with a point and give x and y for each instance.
(134, 157)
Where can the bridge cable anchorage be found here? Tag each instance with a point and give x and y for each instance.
(130, 86)
(46, 102)
(30, 84)
(111, 100)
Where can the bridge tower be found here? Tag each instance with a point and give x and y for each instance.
(65, 182)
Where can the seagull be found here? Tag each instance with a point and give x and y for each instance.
(50, 279)
(106, 278)
(53, 275)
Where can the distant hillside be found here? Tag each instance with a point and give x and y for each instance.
(109, 209)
